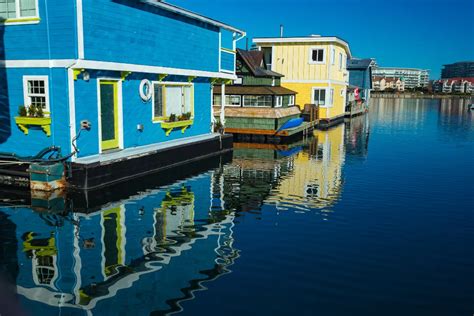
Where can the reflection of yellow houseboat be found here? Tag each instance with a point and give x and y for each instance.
(317, 177)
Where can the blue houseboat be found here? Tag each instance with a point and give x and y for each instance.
(360, 86)
(117, 88)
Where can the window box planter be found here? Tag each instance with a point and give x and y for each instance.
(170, 126)
(25, 122)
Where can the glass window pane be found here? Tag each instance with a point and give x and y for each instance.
(7, 9)
(315, 55)
(217, 99)
(158, 101)
(27, 8)
(173, 100)
(320, 55)
(187, 99)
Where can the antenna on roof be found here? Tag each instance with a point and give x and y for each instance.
(281, 30)
(247, 44)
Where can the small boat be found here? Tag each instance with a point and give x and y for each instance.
(294, 122)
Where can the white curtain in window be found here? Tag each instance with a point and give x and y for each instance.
(27, 8)
(174, 100)
(187, 99)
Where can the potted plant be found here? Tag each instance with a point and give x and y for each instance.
(32, 116)
(219, 127)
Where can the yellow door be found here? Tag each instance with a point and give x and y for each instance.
(109, 114)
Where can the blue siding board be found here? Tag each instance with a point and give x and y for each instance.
(135, 112)
(227, 40)
(148, 36)
(12, 139)
(30, 41)
(227, 61)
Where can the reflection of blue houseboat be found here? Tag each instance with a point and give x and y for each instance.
(128, 79)
(149, 252)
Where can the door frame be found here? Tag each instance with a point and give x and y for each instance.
(119, 110)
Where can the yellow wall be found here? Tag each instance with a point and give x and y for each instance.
(302, 75)
(304, 96)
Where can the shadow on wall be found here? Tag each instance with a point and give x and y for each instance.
(5, 122)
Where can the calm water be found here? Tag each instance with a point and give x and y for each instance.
(374, 217)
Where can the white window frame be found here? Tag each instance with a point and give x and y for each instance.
(328, 98)
(166, 115)
(255, 106)
(341, 58)
(232, 105)
(291, 101)
(278, 101)
(27, 95)
(333, 56)
(311, 50)
(23, 19)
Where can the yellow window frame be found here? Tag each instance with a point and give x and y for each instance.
(165, 117)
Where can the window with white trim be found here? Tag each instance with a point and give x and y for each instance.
(18, 9)
(333, 56)
(172, 98)
(319, 97)
(278, 101)
(36, 92)
(292, 100)
(317, 56)
(230, 100)
(340, 61)
(258, 100)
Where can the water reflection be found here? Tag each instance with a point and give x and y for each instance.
(163, 243)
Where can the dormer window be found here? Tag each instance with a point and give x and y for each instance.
(18, 10)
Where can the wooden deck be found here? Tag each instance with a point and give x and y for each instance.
(305, 127)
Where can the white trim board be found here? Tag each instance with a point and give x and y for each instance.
(190, 14)
(37, 63)
(112, 66)
(80, 30)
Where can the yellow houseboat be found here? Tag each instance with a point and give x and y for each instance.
(314, 67)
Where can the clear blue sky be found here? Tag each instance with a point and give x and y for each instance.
(398, 33)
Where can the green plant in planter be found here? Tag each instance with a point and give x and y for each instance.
(172, 118)
(32, 111)
(22, 111)
(39, 112)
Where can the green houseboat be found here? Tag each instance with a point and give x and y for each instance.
(256, 106)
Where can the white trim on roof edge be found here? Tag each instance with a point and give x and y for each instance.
(192, 15)
(309, 39)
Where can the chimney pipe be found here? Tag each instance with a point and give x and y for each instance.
(281, 30)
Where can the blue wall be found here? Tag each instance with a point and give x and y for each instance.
(12, 139)
(30, 41)
(135, 111)
(132, 32)
(227, 61)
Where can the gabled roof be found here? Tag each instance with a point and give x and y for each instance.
(359, 63)
(170, 7)
(254, 60)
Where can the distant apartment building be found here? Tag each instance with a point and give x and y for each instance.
(388, 84)
(454, 85)
(464, 69)
(412, 77)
